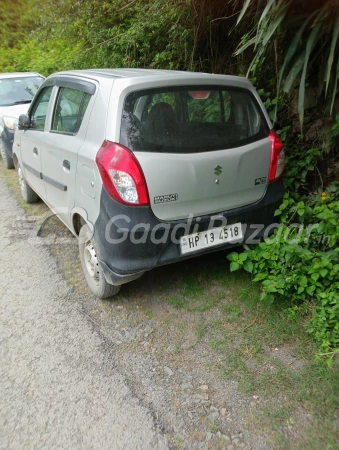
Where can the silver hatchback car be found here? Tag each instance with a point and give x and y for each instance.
(149, 167)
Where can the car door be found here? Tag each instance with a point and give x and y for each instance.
(32, 141)
(62, 144)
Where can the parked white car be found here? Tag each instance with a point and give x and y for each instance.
(16, 93)
(149, 167)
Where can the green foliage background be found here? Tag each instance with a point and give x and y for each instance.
(81, 34)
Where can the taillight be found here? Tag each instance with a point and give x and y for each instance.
(277, 157)
(121, 174)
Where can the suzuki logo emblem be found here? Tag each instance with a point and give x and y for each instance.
(217, 170)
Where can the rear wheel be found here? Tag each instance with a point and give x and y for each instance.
(90, 265)
(27, 192)
(7, 160)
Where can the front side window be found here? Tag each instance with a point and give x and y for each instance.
(21, 90)
(189, 119)
(39, 110)
(69, 110)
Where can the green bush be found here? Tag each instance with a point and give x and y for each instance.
(68, 35)
(300, 262)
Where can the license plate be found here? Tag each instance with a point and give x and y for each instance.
(211, 238)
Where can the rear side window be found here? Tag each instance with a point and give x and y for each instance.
(69, 110)
(191, 119)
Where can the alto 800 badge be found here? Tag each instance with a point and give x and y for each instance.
(165, 198)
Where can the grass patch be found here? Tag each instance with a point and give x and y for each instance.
(219, 344)
(178, 302)
(271, 357)
(200, 330)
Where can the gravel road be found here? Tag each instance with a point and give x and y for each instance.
(59, 383)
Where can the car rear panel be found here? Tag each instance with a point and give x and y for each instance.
(180, 185)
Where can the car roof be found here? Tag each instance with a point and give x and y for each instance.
(142, 73)
(19, 75)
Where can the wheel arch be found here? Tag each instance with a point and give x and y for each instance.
(80, 218)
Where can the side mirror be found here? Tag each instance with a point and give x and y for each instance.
(24, 122)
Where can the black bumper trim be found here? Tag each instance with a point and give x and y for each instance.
(48, 180)
(54, 183)
(33, 171)
(118, 279)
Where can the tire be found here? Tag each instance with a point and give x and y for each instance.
(91, 267)
(7, 160)
(27, 192)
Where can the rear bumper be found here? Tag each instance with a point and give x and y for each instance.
(131, 240)
(7, 137)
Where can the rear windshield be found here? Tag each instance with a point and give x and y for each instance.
(189, 119)
(16, 91)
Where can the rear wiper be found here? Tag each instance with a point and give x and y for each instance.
(22, 102)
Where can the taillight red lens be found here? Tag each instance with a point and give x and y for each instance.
(277, 157)
(122, 175)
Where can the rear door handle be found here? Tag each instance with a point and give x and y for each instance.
(35, 151)
(67, 165)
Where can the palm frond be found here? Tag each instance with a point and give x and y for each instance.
(312, 40)
(334, 92)
(312, 35)
(280, 16)
(331, 55)
(294, 72)
(244, 9)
